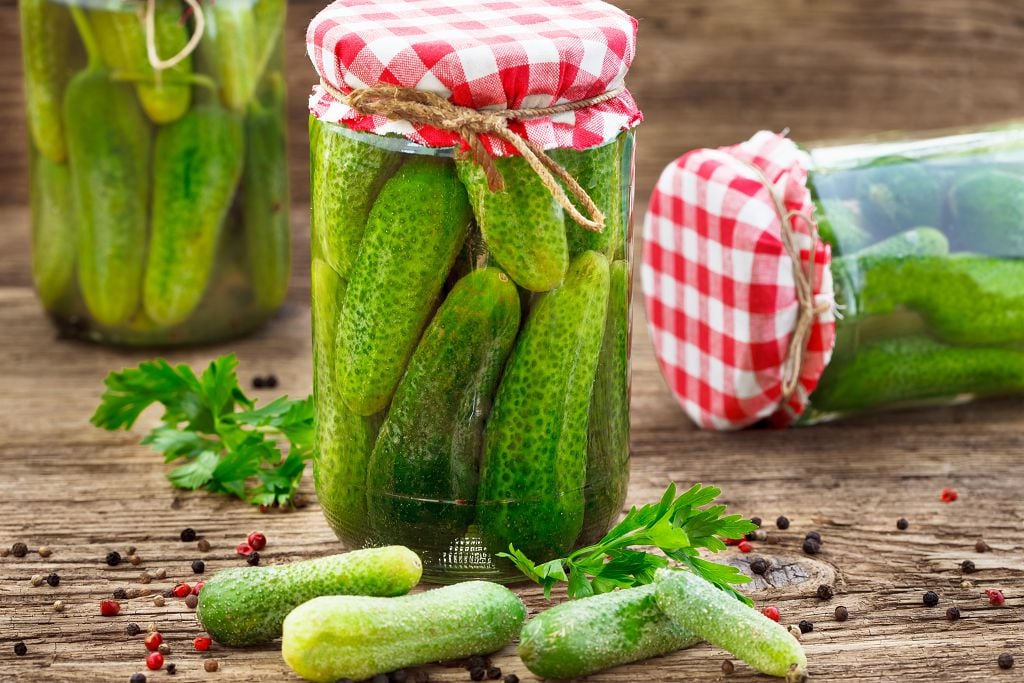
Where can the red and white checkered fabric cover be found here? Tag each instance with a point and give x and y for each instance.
(719, 286)
(493, 54)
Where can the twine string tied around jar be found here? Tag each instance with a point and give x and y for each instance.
(803, 280)
(155, 60)
(421, 107)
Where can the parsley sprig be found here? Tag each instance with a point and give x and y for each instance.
(677, 526)
(228, 444)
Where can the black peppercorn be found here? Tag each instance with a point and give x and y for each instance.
(825, 592)
(132, 629)
(113, 558)
(953, 613)
(198, 566)
(968, 567)
(120, 594)
(815, 535)
(270, 381)
(253, 559)
(842, 614)
(805, 626)
(137, 678)
(759, 566)
(756, 521)
(811, 546)
(494, 673)
(20, 649)
(53, 579)
(1005, 661)
(172, 669)
(477, 662)
(902, 524)
(19, 549)
(750, 535)
(782, 523)
(477, 674)
(930, 599)
(398, 676)
(188, 535)
(510, 678)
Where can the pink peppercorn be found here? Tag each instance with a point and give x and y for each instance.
(772, 613)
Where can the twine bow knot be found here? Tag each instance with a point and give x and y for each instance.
(155, 60)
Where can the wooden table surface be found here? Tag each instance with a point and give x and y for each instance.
(709, 72)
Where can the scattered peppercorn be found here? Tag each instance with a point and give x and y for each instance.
(160, 574)
(153, 641)
(815, 535)
(211, 665)
(494, 673)
(58, 606)
(155, 661)
(756, 521)
(20, 648)
(113, 558)
(953, 613)
(159, 601)
(806, 626)
(966, 584)
(198, 566)
(1005, 661)
(191, 601)
(181, 590)
(152, 628)
(44, 551)
(772, 613)
(132, 629)
(172, 669)
(264, 508)
(135, 560)
(253, 559)
(198, 587)
(243, 549)
(130, 550)
(145, 577)
(842, 614)
(968, 567)
(930, 599)
(948, 495)
(825, 592)
(137, 678)
(902, 524)
(745, 546)
(995, 597)
(203, 545)
(731, 541)
(53, 579)
(271, 381)
(782, 523)
(759, 566)
(509, 678)
(258, 382)
(164, 649)
(110, 608)
(728, 667)
(188, 535)
(37, 580)
(981, 547)
(169, 593)
(811, 547)
(795, 631)
(120, 594)
(477, 662)
(750, 536)
(19, 549)
(477, 674)
(257, 540)
(202, 643)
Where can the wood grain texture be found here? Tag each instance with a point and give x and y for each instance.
(708, 73)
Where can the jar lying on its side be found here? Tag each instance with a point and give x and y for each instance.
(472, 380)
(159, 189)
(928, 245)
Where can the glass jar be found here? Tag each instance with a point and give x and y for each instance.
(927, 235)
(159, 190)
(471, 351)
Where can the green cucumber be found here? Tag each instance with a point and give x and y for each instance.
(608, 424)
(165, 95)
(725, 622)
(424, 471)
(109, 147)
(414, 232)
(265, 200)
(585, 636)
(230, 52)
(524, 226)
(198, 163)
(270, 17)
(599, 173)
(332, 638)
(839, 225)
(534, 466)
(46, 40)
(344, 440)
(987, 213)
(53, 230)
(247, 605)
(345, 176)
(896, 193)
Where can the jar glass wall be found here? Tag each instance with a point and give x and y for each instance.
(928, 261)
(471, 351)
(160, 208)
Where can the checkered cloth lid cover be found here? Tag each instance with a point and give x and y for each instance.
(481, 54)
(719, 283)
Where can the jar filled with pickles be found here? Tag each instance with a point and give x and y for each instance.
(159, 187)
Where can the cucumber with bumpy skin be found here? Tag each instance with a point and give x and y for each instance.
(523, 225)
(247, 605)
(230, 51)
(46, 40)
(198, 163)
(722, 620)
(346, 176)
(414, 232)
(53, 230)
(535, 447)
(591, 634)
(425, 466)
(332, 638)
(599, 172)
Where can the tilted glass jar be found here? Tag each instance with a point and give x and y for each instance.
(471, 351)
(159, 182)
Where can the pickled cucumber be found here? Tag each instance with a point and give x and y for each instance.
(599, 173)
(344, 440)
(987, 213)
(608, 424)
(346, 176)
(896, 193)
(535, 448)
(109, 146)
(46, 40)
(913, 369)
(198, 163)
(839, 225)
(229, 50)
(414, 232)
(524, 226)
(424, 471)
(53, 230)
